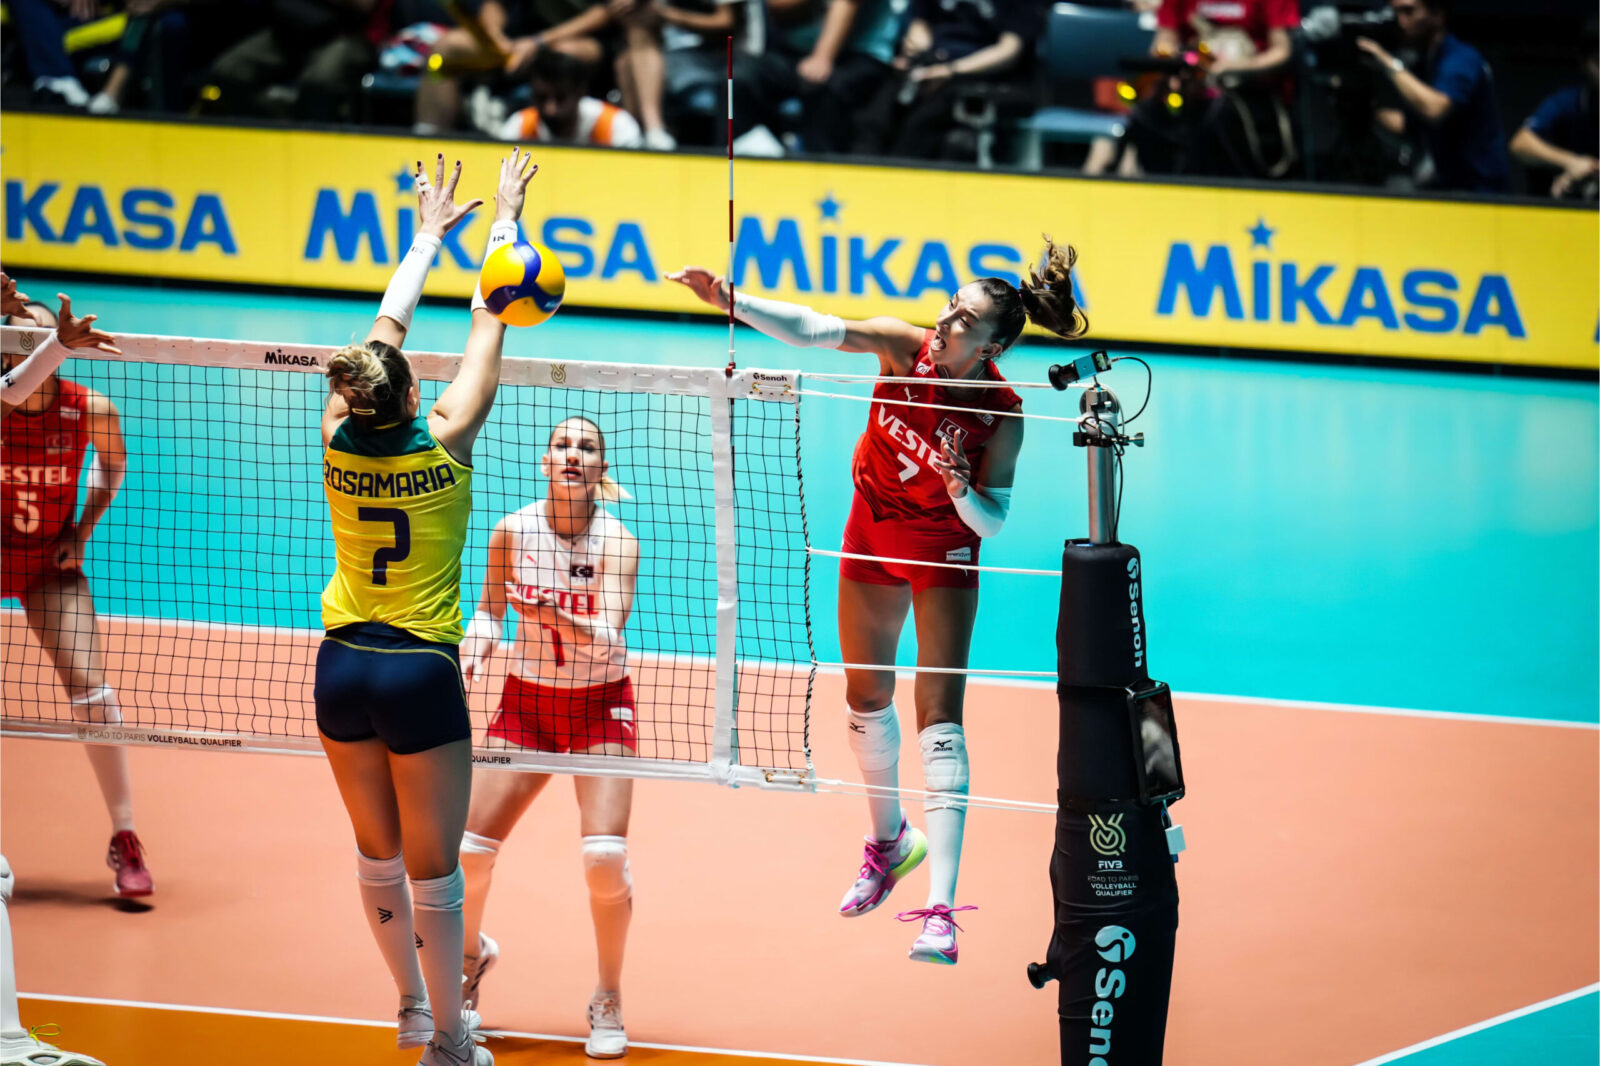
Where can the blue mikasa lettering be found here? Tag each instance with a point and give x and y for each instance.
(1324, 295)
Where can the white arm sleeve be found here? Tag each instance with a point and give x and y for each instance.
(790, 323)
(484, 624)
(100, 478)
(984, 510)
(502, 232)
(24, 379)
(405, 288)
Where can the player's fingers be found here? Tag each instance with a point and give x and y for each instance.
(438, 170)
(66, 306)
(455, 176)
(109, 348)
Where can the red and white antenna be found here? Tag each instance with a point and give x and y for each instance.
(729, 274)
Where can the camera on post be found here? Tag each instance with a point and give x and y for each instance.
(1343, 92)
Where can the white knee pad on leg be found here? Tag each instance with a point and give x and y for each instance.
(944, 766)
(370, 871)
(7, 882)
(875, 738)
(98, 705)
(479, 851)
(439, 893)
(605, 867)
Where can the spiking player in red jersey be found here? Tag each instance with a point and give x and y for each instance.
(43, 440)
(931, 482)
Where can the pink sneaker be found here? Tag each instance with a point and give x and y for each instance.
(882, 867)
(126, 857)
(937, 943)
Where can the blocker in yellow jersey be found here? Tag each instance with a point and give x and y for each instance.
(399, 503)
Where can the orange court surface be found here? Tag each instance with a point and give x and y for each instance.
(1355, 883)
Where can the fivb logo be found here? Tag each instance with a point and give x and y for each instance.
(1115, 945)
(1135, 614)
(1106, 835)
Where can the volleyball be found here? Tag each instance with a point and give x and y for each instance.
(522, 284)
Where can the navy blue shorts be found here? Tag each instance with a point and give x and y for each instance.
(374, 680)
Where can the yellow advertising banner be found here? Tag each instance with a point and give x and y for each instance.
(1161, 264)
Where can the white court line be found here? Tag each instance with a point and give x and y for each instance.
(908, 672)
(364, 1023)
(1478, 1027)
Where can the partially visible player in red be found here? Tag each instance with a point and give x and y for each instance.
(43, 440)
(569, 567)
(930, 483)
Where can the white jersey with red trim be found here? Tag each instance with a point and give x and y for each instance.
(567, 573)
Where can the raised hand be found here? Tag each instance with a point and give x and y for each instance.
(78, 332)
(515, 173)
(12, 302)
(704, 284)
(436, 200)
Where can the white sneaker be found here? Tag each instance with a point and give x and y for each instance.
(486, 111)
(607, 1038)
(468, 1053)
(758, 143)
(472, 977)
(101, 104)
(659, 141)
(416, 1025)
(22, 1049)
(69, 89)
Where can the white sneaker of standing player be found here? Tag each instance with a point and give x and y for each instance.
(416, 1025)
(27, 1050)
(488, 955)
(607, 1038)
(470, 1052)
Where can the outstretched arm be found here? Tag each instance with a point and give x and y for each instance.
(438, 213)
(24, 379)
(463, 407)
(894, 341)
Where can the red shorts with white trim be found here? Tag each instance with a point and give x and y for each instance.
(27, 564)
(898, 538)
(546, 718)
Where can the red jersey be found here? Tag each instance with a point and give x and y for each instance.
(41, 458)
(891, 467)
(1256, 18)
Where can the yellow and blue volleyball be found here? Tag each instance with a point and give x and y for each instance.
(522, 284)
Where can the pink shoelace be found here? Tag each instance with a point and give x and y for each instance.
(873, 860)
(938, 911)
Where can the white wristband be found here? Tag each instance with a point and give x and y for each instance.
(405, 288)
(790, 323)
(984, 511)
(501, 232)
(24, 379)
(484, 624)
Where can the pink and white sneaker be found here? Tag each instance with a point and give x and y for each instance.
(126, 856)
(937, 943)
(883, 866)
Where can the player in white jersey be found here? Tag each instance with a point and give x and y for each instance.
(568, 567)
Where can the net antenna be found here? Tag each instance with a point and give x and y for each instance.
(731, 362)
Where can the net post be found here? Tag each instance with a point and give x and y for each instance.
(724, 738)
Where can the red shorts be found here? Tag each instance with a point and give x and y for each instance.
(27, 564)
(565, 719)
(900, 538)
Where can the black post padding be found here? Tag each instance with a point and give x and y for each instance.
(1116, 891)
(1116, 897)
(1100, 633)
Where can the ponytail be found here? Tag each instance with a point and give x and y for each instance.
(1046, 299)
(608, 491)
(374, 378)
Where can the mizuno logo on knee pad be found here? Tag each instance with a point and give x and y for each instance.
(941, 745)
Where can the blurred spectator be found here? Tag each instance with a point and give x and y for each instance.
(1220, 107)
(308, 61)
(43, 25)
(620, 31)
(693, 36)
(1564, 133)
(948, 44)
(1448, 103)
(561, 75)
(831, 55)
(164, 45)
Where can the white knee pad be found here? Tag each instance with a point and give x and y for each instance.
(605, 867)
(439, 893)
(98, 705)
(370, 871)
(7, 882)
(944, 766)
(479, 851)
(875, 738)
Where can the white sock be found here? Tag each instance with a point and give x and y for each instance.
(875, 738)
(605, 867)
(477, 866)
(109, 761)
(10, 1016)
(945, 769)
(437, 905)
(386, 899)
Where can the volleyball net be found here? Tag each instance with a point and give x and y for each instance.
(207, 570)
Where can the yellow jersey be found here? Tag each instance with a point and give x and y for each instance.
(399, 503)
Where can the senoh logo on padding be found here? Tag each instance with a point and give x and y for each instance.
(1133, 613)
(1115, 945)
(1106, 835)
